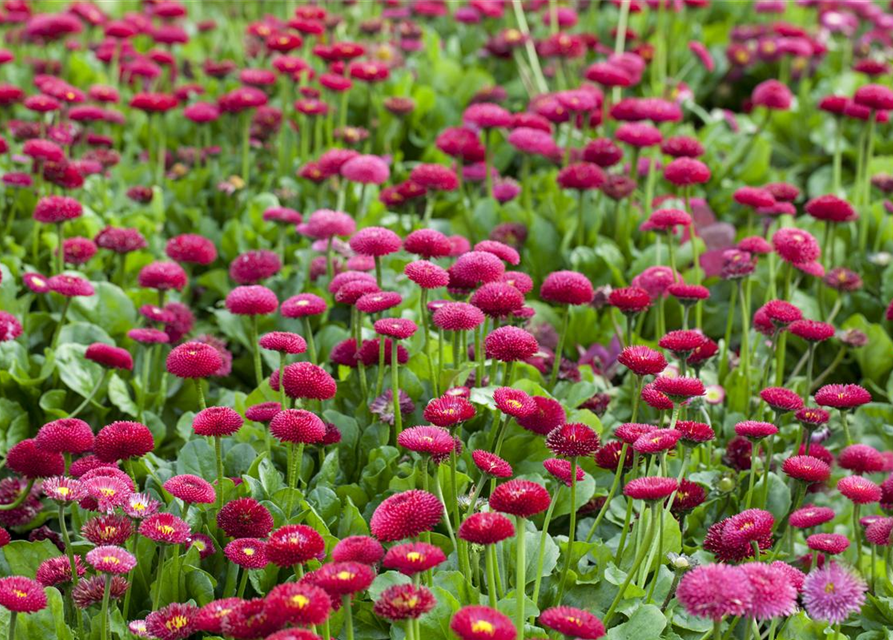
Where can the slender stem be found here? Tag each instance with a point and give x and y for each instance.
(618, 473)
(93, 392)
(581, 221)
(395, 391)
(12, 625)
(572, 530)
(68, 549)
(218, 452)
(659, 513)
(144, 381)
(243, 583)
(55, 339)
(60, 253)
(200, 392)
(857, 533)
(520, 573)
(754, 455)
(764, 498)
(246, 145)
(348, 615)
(562, 336)
(439, 491)
(491, 575)
(640, 557)
(255, 347)
(308, 336)
(541, 554)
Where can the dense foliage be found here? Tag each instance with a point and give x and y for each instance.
(436, 319)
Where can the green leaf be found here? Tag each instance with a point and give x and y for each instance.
(119, 394)
(197, 457)
(22, 558)
(647, 623)
(77, 373)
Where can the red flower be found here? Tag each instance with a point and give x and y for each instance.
(682, 342)
(344, 578)
(165, 528)
(811, 330)
(514, 402)
(666, 220)
(191, 489)
(68, 435)
(297, 426)
(57, 209)
(476, 267)
(642, 360)
(755, 430)
(858, 458)
(830, 208)
(520, 498)
(561, 470)
(432, 441)
(689, 495)
(378, 302)
(694, 432)
(491, 464)
(109, 356)
(812, 417)
(477, 622)
(751, 525)
(303, 305)
(251, 300)
(70, 286)
(772, 94)
(358, 549)
(245, 518)
(428, 243)
(375, 241)
(218, 421)
(162, 276)
(630, 300)
(608, 456)
(572, 622)
(549, 415)
(294, 544)
(859, 490)
(193, 360)
(880, 531)
(403, 601)
(650, 488)
(434, 177)
(830, 543)
(795, 245)
(306, 380)
(448, 411)
(781, 313)
(53, 571)
(299, 603)
(486, 527)
(679, 389)
(458, 316)
(19, 594)
(498, 299)
(122, 440)
(581, 176)
(781, 400)
(510, 344)
(249, 553)
(405, 515)
(413, 557)
(572, 440)
(107, 529)
(253, 266)
(842, 396)
(806, 469)
(210, 617)
(251, 619)
(398, 328)
(567, 287)
(810, 516)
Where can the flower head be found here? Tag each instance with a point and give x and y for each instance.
(831, 594)
(165, 528)
(299, 603)
(772, 595)
(68, 435)
(191, 489)
(715, 591)
(294, 544)
(194, 360)
(217, 421)
(405, 515)
(111, 559)
(404, 601)
(521, 498)
(123, 440)
(19, 594)
(642, 360)
(173, 622)
(245, 518)
(358, 549)
(477, 622)
(410, 558)
(572, 622)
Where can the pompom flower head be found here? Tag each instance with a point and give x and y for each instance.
(831, 594)
(405, 515)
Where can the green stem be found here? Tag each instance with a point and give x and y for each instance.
(200, 393)
(754, 454)
(60, 253)
(243, 583)
(308, 336)
(423, 315)
(218, 452)
(541, 554)
(395, 387)
(58, 331)
(640, 557)
(258, 369)
(491, 575)
(572, 530)
(89, 398)
(348, 615)
(520, 573)
(618, 474)
(12, 625)
(562, 336)
(246, 145)
(857, 529)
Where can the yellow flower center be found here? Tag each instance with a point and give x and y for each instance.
(301, 601)
(482, 626)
